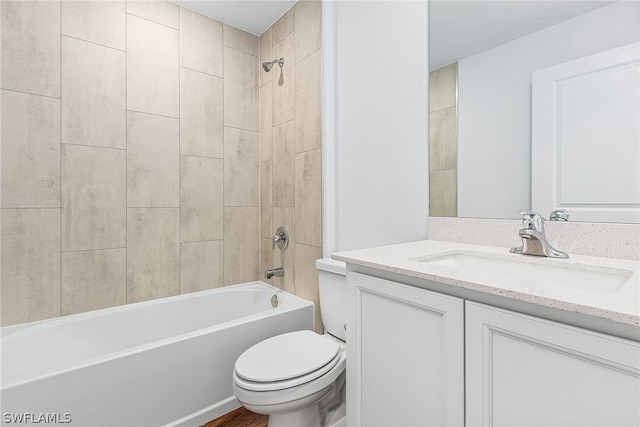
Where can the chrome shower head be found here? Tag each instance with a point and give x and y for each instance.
(268, 65)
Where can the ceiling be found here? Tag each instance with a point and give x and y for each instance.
(253, 16)
(458, 29)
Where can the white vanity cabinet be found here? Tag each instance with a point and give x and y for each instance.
(526, 371)
(405, 365)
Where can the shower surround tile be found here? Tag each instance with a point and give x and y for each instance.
(94, 95)
(201, 114)
(160, 11)
(241, 168)
(266, 50)
(30, 151)
(443, 197)
(308, 103)
(241, 102)
(153, 264)
(443, 87)
(283, 164)
(443, 139)
(152, 68)
(92, 280)
(201, 199)
(306, 278)
(93, 198)
(102, 22)
(201, 266)
(266, 199)
(266, 120)
(284, 26)
(240, 40)
(308, 27)
(283, 82)
(241, 244)
(308, 198)
(284, 258)
(30, 47)
(200, 43)
(153, 162)
(30, 273)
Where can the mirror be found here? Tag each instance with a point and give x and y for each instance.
(483, 55)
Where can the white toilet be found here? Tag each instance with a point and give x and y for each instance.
(298, 378)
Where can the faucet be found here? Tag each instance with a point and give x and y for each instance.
(534, 241)
(268, 274)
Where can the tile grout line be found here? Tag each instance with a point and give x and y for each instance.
(61, 146)
(126, 145)
(179, 151)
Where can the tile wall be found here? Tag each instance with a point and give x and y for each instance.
(131, 155)
(443, 141)
(291, 149)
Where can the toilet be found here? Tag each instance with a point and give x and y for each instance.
(298, 378)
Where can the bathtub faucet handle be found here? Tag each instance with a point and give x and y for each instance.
(281, 238)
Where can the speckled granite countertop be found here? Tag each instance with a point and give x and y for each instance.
(621, 305)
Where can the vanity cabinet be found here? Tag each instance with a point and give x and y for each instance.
(523, 370)
(405, 363)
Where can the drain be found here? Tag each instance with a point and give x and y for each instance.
(274, 301)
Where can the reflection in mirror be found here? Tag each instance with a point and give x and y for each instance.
(483, 55)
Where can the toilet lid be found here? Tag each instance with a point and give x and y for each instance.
(286, 356)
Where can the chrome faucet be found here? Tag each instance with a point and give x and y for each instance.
(534, 241)
(268, 274)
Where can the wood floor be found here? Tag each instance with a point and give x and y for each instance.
(241, 417)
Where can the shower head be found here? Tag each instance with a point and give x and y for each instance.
(268, 65)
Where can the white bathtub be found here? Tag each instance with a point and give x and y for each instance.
(162, 362)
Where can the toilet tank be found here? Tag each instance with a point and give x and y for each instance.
(333, 296)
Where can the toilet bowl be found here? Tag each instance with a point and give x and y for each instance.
(295, 378)
(298, 378)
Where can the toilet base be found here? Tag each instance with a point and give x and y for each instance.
(305, 417)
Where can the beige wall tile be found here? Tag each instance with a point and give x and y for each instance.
(200, 43)
(153, 264)
(240, 90)
(283, 26)
(308, 103)
(307, 278)
(283, 82)
(30, 47)
(160, 11)
(308, 211)
(266, 259)
(266, 120)
(266, 198)
(283, 165)
(443, 200)
(102, 22)
(241, 168)
(240, 40)
(308, 25)
(92, 280)
(201, 114)
(201, 203)
(443, 139)
(284, 258)
(152, 67)
(200, 266)
(266, 52)
(443, 87)
(30, 151)
(30, 284)
(94, 97)
(241, 244)
(153, 162)
(93, 198)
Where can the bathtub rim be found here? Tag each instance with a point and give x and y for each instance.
(48, 323)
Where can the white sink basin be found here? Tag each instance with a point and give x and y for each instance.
(528, 272)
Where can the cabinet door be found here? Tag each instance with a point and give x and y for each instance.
(405, 355)
(526, 371)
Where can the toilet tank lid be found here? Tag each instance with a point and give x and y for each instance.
(332, 266)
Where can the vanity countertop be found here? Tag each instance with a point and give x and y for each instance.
(407, 259)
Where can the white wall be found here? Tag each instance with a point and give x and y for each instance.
(376, 100)
(495, 105)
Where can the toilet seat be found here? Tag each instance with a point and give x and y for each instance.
(286, 361)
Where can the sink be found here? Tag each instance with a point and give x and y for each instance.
(527, 273)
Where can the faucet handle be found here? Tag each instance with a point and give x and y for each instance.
(532, 220)
(281, 238)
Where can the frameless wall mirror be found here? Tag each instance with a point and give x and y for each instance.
(535, 105)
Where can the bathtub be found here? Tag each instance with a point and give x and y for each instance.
(162, 362)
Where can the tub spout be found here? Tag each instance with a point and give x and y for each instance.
(274, 272)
